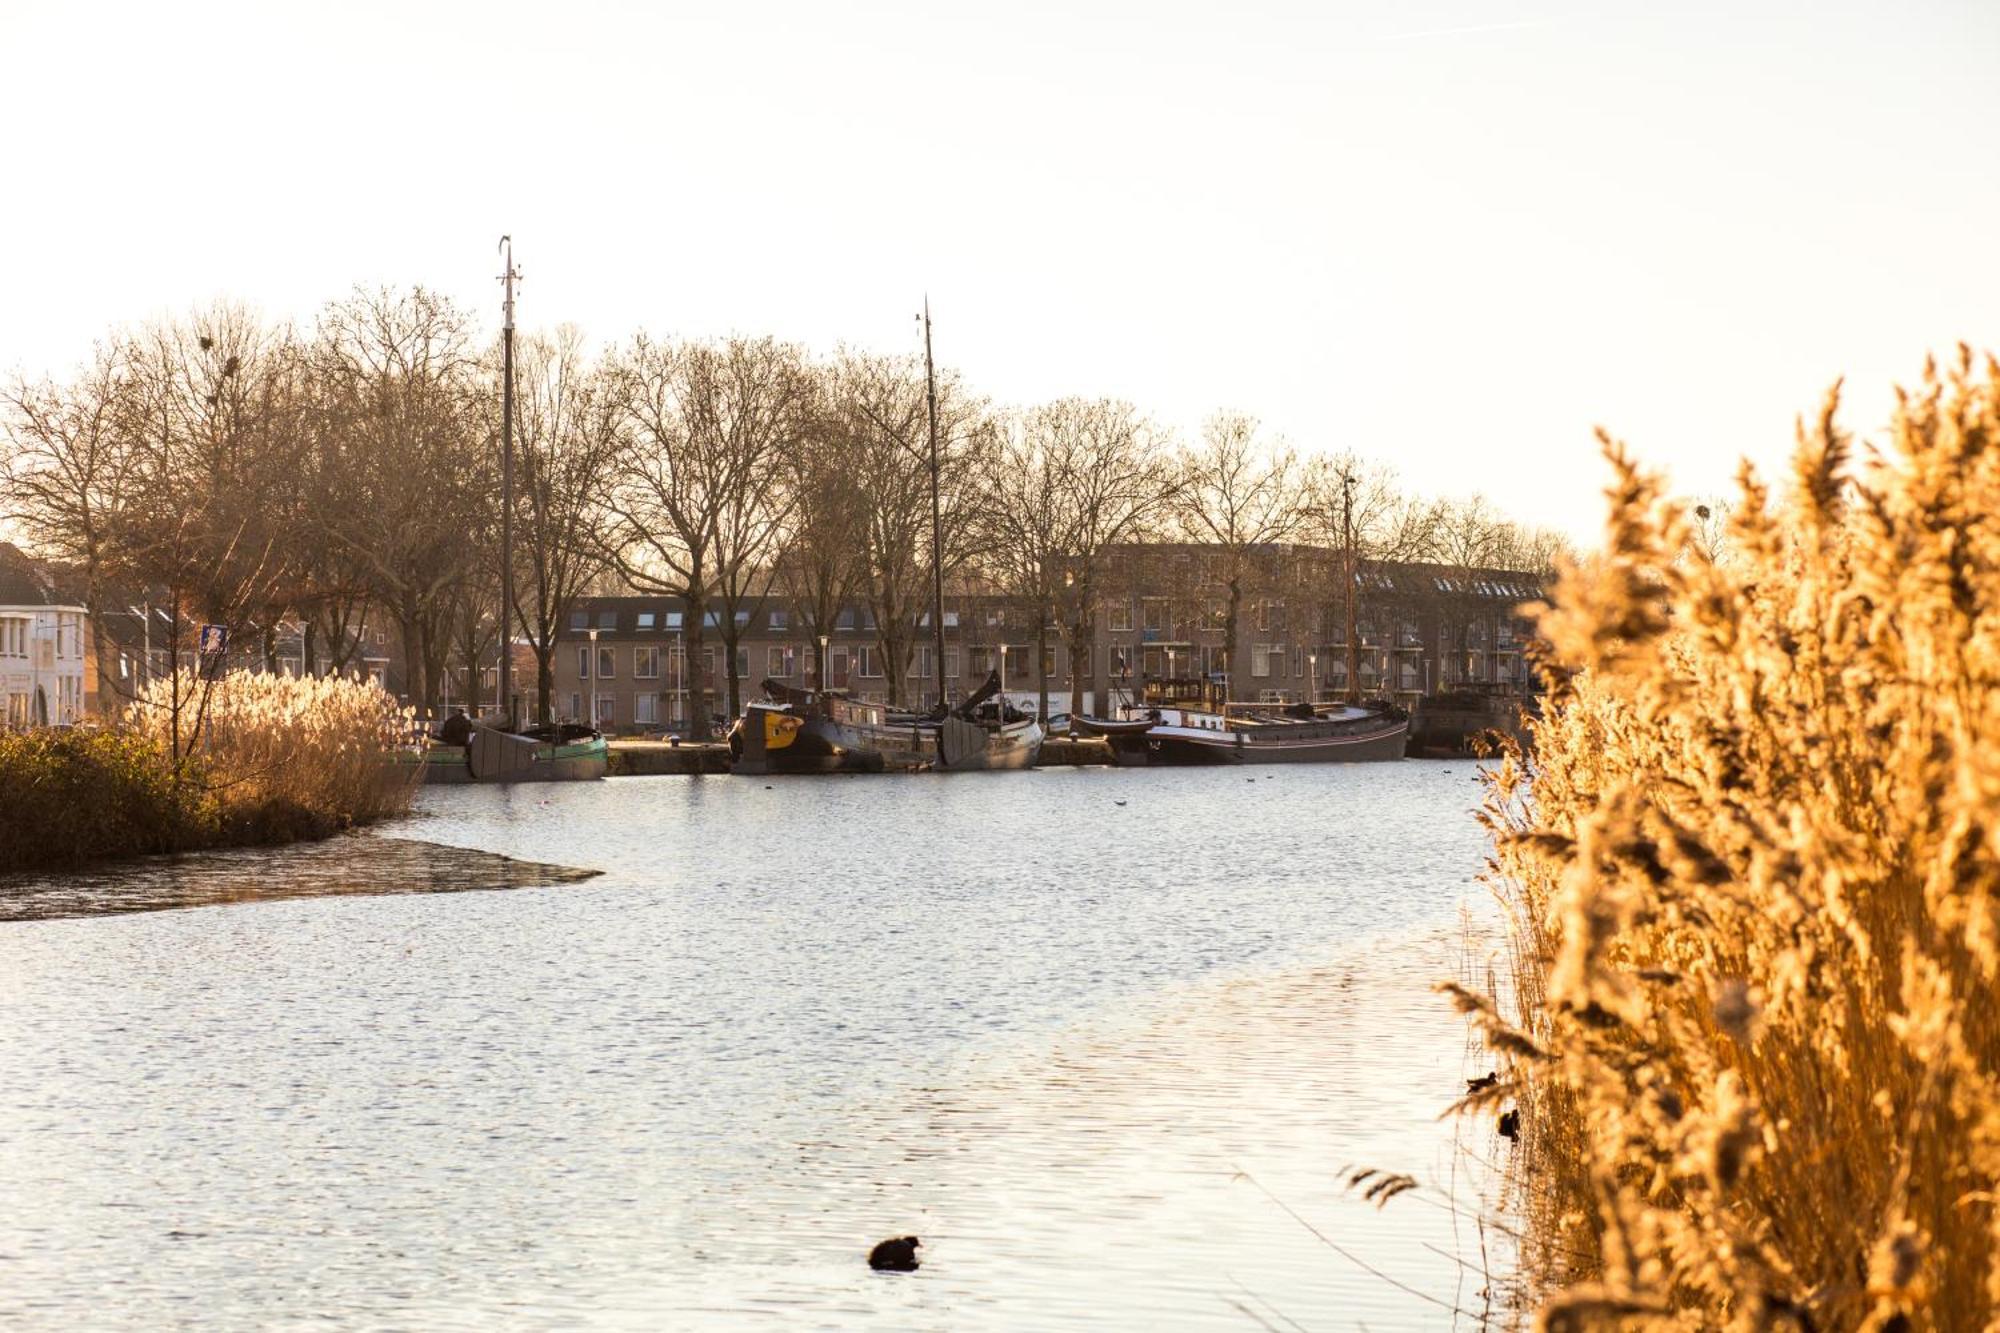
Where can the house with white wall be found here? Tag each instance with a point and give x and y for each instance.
(43, 647)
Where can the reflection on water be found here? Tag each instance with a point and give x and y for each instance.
(344, 865)
(1068, 1027)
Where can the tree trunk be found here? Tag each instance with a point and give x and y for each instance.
(1080, 637)
(697, 614)
(309, 647)
(1229, 637)
(471, 680)
(545, 680)
(414, 685)
(1042, 665)
(731, 636)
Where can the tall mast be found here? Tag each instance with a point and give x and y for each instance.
(1347, 530)
(507, 485)
(937, 515)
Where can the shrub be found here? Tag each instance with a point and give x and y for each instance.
(1754, 878)
(282, 756)
(75, 795)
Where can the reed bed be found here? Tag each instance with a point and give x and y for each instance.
(1752, 873)
(278, 756)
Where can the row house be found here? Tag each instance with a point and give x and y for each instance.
(44, 646)
(1418, 629)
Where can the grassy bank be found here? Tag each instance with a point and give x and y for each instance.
(269, 759)
(1754, 884)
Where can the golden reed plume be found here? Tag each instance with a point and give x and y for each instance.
(1752, 875)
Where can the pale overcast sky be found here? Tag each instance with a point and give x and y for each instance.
(1453, 235)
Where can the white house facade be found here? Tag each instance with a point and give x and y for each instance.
(42, 664)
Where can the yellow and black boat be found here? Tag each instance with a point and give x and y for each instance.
(821, 731)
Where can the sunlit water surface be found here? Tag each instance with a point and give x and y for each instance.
(1105, 1039)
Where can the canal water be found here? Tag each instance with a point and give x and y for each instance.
(1108, 1040)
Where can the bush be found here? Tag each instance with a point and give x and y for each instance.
(1754, 879)
(276, 759)
(283, 757)
(71, 796)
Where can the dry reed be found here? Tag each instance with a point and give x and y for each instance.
(1751, 875)
(278, 754)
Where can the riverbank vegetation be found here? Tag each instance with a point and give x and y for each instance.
(342, 477)
(255, 759)
(1755, 892)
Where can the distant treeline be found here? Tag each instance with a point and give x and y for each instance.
(253, 472)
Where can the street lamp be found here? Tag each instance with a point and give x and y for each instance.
(1003, 682)
(1312, 678)
(823, 641)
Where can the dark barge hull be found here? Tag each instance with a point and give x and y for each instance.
(773, 738)
(1139, 745)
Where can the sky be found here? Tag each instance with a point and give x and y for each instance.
(1451, 236)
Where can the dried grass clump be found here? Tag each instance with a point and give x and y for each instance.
(283, 756)
(1754, 881)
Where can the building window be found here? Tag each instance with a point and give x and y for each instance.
(606, 709)
(673, 620)
(982, 661)
(607, 620)
(1118, 617)
(646, 665)
(645, 709)
(646, 622)
(579, 620)
(607, 665)
(1079, 662)
(845, 620)
(778, 662)
(950, 657)
(921, 667)
(1260, 660)
(1298, 662)
(868, 662)
(780, 619)
(1049, 662)
(742, 663)
(708, 663)
(1156, 613)
(583, 663)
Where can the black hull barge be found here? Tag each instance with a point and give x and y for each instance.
(1252, 734)
(811, 731)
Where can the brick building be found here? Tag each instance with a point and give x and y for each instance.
(1420, 628)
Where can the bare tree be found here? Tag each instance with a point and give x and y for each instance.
(702, 428)
(761, 400)
(1240, 497)
(819, 562)
(881, 402)
(567, 422)
(1359, 510)
(1024, 507)
(1078, 478)
(68, 474)
(411, 458)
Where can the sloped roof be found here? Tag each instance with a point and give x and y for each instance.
(23, 582)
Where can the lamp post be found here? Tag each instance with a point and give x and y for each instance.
(823, 641)
(1312, 678)
(1003, 682)
(590, 695)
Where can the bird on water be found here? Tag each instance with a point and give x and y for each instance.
(896, 1255)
